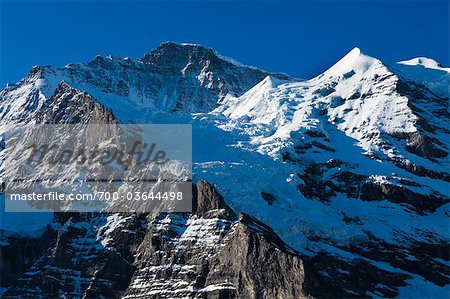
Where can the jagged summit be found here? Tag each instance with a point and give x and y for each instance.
(171, 77)
(174, 54)
(354, 60)
(354, 162)
(170, 53)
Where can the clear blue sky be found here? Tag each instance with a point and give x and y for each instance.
(301, 38)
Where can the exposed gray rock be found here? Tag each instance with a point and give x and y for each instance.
(209, 200)
(257, 263)
(224, 259)
(77, 264)
(421, 203)
(270, 198)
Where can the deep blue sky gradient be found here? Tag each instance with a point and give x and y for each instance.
(301, 38)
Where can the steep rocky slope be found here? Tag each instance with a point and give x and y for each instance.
(172, 77)
(170, 256)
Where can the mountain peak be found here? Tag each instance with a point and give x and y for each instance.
(188, 47)
(424, 62)
(354, 60)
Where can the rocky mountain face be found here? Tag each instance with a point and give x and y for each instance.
(207, 254)
(332, 187)
(172, 77)
(68, 105)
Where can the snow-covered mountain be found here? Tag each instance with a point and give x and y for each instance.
(341, 181)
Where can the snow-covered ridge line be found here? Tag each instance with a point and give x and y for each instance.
(169, 78)
(223, 57)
